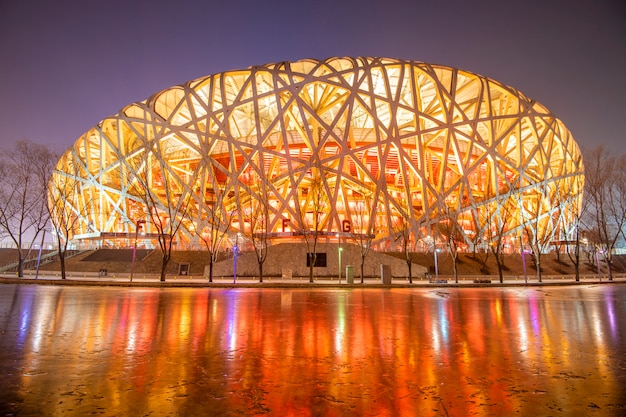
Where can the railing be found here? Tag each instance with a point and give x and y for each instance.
(26, 246)
(46, 258)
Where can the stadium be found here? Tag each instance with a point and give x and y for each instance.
(376, 149)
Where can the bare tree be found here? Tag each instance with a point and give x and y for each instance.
(501, 216)
(540, 211)
(616, 210)
(450, 231)
(256, 210)
(215, 222)
(363, 222)
(605, 189)
(23, 189)
(310, 216)
(478, 236)
(403, 232)
(165, 194)
(68, 204)
(572, 226)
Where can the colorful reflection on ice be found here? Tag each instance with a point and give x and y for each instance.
(313, 352)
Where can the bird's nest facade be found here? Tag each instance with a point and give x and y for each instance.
(345, 147)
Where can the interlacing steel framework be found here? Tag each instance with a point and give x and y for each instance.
(390, 145)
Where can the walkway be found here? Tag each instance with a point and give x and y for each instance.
(143, 280)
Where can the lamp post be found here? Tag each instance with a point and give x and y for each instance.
(43, 236)
(436, 264)
(235, 251)
(138, 226)
(339, 249)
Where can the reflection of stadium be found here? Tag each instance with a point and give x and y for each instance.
(376, 146)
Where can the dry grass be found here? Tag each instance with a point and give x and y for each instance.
(467, 264)
(485, 264)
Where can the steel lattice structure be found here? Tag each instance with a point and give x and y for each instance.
(388, 143)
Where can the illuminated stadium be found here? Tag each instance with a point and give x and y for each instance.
(343, 147)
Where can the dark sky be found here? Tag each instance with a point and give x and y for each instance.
(67, 64)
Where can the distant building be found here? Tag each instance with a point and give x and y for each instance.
(368, 146)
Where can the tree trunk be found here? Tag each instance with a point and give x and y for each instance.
(165, 261)
(609, 269)
(456, 272)
(538, 264)
(409, 264)
(260, 271)
(499, 263)
(20, 261)
(20, 268)
(362, 267)
(62, 260)
(575, 259)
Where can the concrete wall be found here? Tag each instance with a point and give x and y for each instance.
(289, 259)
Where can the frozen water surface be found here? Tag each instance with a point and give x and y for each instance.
(313, 352)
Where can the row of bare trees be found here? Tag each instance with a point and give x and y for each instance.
(27, 208)
(603, 210)
(24, 172)
(596, 224)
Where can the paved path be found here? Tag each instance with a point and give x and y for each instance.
(142, 280)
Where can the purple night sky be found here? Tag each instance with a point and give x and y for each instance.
(67, 64)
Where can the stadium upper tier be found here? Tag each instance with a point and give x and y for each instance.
(357, 146)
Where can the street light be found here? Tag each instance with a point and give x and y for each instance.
(339, 249)
(436, 264)
(235, 251)
(43, 236)
(138, 226)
